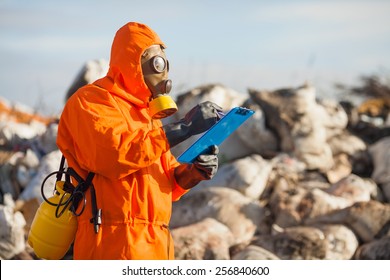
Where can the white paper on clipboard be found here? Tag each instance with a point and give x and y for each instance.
(217, 133)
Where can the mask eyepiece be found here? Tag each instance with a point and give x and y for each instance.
(159, 64)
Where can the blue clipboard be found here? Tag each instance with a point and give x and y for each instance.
(217, 133)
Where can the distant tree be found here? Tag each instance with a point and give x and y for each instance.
(373, 86)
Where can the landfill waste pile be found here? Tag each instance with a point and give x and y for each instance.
(303, 178)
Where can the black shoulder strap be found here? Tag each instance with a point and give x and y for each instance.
(81, 188)
(61, 169)
(88, 180)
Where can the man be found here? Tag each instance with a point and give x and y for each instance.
(112, 128)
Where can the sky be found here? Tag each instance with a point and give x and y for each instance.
(240, 44)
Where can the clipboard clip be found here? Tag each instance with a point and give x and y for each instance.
(242, 111)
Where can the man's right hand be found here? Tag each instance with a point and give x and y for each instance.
(188, 175)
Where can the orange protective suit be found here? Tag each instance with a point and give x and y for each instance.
(105, 128)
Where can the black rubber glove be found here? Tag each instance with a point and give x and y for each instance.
(204, 167)
(197, 120)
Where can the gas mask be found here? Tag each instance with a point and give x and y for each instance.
(155, 69)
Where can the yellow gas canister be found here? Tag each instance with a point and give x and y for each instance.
(162, 107)
(51, 236)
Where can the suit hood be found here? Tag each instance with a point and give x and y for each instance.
(124, 77)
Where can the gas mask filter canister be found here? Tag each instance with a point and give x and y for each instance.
(162, 106)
